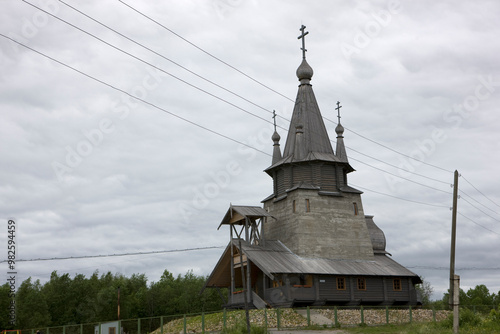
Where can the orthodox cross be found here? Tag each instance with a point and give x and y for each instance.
(274, 119)
(303, 36)
(338, 110)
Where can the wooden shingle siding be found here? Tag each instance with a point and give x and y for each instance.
(287, 178)
(340, 176)
(302, 173)
(328, 182)
(280, 183)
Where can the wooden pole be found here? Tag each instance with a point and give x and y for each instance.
(245, 290)
(118, 303)
(453, 237)
(231, 290)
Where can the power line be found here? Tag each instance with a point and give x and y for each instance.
(168, 59)
(114, 255)
(260, 83)
(473, 221)
(480, 209)
(204, 51)
(400, 198)
(472, 198)
(395, 151)
(394, 166)
(421, 184)
(135, 97)
(269, 88)
(202, 90)
(489, 199)
(170, 113)
(147, 63)
(213, 95)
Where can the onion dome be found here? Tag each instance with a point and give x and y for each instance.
(339, 130)
(377, 236)
(304, 72)
(276, 137)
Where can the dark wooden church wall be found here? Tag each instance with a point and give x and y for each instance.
(398, 296)
(374, 291)
(328, 289)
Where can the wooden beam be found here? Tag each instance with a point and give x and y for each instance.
(231, 292)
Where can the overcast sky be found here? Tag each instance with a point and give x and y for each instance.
(85, 169)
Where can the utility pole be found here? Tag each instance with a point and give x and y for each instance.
(454, 289)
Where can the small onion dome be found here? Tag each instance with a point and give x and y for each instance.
(377, 236)
(304, 72)
(276, 137)
(339, 129)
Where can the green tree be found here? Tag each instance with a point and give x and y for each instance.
(425, 291)
(61, 299)
(106, 299)
(479, 298)
(163, 296)
(4, 306)
(133, 296)
(480, 295)
(32, 309)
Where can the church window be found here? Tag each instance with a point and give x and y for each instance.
(308, 207)
(340, 283)
(361, 284)
(396, 283)
(293, 206)
(355, 207)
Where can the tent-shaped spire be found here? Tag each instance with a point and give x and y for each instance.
(306, 117)
(308, 160)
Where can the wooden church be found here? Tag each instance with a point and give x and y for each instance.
(310, 243)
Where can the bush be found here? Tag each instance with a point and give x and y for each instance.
(494, 316)
(467, 319)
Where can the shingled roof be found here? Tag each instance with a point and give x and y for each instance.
(275, 258)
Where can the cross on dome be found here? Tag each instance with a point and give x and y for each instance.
(338, 110)
(303, 37)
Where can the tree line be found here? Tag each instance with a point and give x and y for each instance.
(477, 299)
(63, 300)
